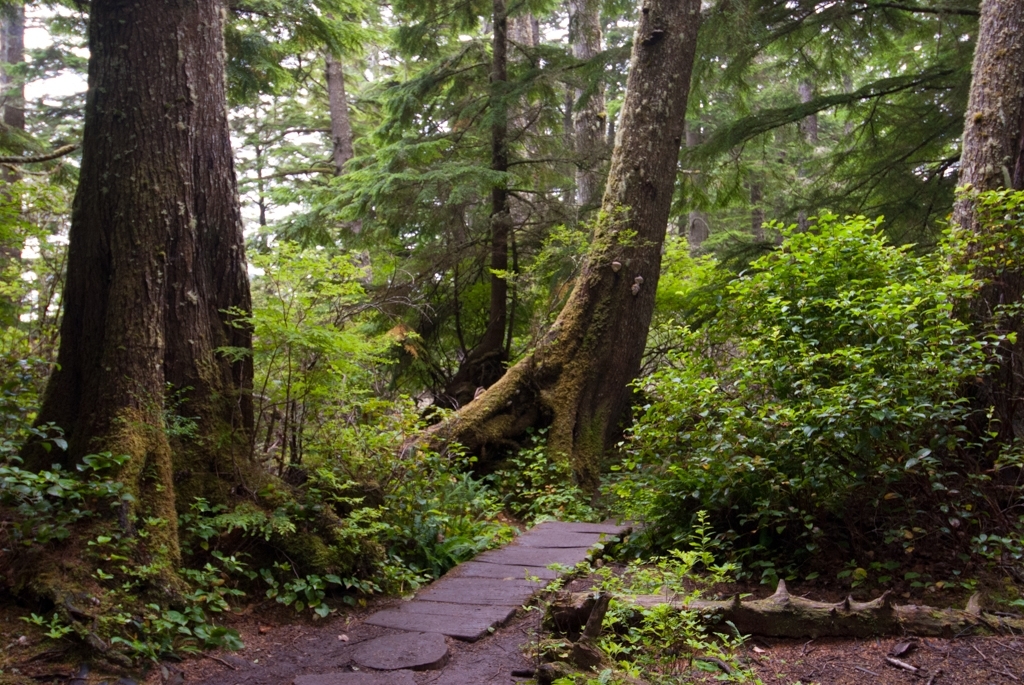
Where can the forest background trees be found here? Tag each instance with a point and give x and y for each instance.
(468, 228)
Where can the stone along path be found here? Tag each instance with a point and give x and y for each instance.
(468, 603)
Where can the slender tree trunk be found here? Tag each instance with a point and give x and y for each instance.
(341, 127)
(588, 111)
(577, 379)
(809, 130)
(12, 53)
(809, 126)
(485, 363)
(756, 211)
(992, 153)
(156, 264)
(697, 227)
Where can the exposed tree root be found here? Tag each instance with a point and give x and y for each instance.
(576, 380)
(783, 615)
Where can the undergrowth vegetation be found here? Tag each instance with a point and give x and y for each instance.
(820, 408)
(370, 514)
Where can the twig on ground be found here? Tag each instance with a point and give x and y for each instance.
(219, 660)
(803, 652)
(729, 670)
(864, 670)
(1012, 646)
(935, 676)
(901, 664)
(1007, 674)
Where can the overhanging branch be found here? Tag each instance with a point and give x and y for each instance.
(56, 154)
(904, 7)
(750, 127)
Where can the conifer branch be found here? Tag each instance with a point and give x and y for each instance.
(958, 11)
(752, 126)
(56, 154)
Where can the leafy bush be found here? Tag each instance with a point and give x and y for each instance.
(45, 504)
(825, 385)
(313, 359)
(535, 487)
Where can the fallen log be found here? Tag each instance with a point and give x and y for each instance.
(785, 615)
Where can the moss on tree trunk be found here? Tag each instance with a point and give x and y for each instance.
(993, 158)
(578, 376)
(156, 259)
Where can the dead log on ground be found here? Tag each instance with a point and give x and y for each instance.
(784, 615)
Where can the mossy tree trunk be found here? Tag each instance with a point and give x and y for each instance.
(156, 259)
(993, 158)
(577, 378)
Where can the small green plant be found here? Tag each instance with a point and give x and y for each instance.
(299, 593)
(55, 628)
(664, 635)
(47, 503)
(161, 632)
(535, 487)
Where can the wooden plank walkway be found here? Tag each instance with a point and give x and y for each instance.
(477, 596)
(469, 602)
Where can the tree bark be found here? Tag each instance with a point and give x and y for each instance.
(756, 211)
(809, 126)
(809, 131)
(993, 147)
(341, 126)
(12, 53)
(577, 379)
(485, 363)
(156, 266)
(588, 109)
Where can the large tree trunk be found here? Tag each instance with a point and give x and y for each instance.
(578, 376)
(485, 363)
(588, 114)
(993, 152)
(156, 266)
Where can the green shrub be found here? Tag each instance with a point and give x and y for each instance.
(535, 487)
(822, 391)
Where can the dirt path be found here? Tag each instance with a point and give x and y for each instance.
(286, 650)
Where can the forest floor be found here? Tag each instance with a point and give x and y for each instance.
(280, 646)
(289, 649)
